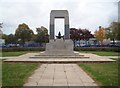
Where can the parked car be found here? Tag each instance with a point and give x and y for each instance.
(114, 44)
(95, 45)
(2, 46)
(103, 45)
(82, 45)
(87, 45)
(12, 45)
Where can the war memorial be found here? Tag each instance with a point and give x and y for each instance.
(62, 47)
(59, 49)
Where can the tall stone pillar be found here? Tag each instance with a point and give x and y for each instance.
(67, 30)
(52, 27)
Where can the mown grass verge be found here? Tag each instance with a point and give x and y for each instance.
(15, 74)
(106, 74)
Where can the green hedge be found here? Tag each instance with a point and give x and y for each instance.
(14, 49)
(114, 49)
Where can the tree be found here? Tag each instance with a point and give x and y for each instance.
(1, 25)
(109, 34)
(113, 32)
(87, 35)
(115, 29)
(100, 34)
(1, 30)
(42, 35)
(24, 33)
(4, 36)
(80, 34)
(74, 35)
(9, 38)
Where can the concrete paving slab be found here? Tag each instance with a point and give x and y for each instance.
(30, 84)
(45, 84)
(34, 80)
(77, 87)
(60, 84)
(90, 84)
(60, 77)
(60, 80)
(76, 84)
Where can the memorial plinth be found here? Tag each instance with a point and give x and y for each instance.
(59, 47)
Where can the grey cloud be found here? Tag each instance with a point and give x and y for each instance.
(36, 13)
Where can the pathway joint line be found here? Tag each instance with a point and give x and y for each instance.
(65, 75)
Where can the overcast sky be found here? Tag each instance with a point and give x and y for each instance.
(36, 13)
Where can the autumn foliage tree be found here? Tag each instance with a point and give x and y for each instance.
(80, 34)
(100, 34)
(24, 33)
(87, 35)
(74, 35)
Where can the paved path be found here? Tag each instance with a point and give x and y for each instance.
(59, 75)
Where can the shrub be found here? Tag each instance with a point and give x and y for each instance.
(114, 49)
(14, 49)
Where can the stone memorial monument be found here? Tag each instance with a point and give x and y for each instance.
(62, 47)
(59, 46)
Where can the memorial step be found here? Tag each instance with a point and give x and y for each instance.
(59, 57)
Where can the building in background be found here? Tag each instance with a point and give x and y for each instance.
(2, 41)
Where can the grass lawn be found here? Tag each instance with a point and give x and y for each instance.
(5, 54)
(102, 53)
(106, 74)
(15, 74)
(117, 59)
